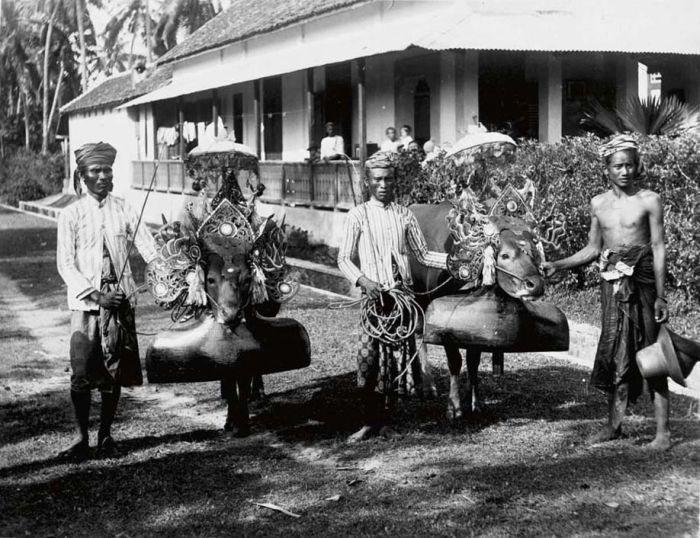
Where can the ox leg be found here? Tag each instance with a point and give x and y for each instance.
(237, 391)
(473, 360)
(258, 390)
(429, 388)
(497, 362)
(454, 399)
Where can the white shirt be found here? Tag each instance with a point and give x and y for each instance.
(83, 228)
(405, 141)
(332, 145)
(378, 232)
(390, 145)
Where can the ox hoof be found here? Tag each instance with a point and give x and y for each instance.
(454, 411)
(362, 434)
(430, 392)
(231, 430)
(476, 408)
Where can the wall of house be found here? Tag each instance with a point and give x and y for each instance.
(116, 127)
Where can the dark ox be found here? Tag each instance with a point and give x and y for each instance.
(220, 346)
(517, 277)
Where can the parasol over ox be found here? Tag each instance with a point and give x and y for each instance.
(483, 302)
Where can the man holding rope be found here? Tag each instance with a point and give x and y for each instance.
(92, 258)
(381, 232)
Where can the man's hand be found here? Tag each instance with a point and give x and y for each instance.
(660, 310)
(549, 269)
(370, 287)
(111, 300)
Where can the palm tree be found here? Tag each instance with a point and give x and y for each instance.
(185, 15)
(133, 17)
(666, 116)
(19, 75)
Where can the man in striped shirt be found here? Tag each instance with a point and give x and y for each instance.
(91, 256)
(381, 232)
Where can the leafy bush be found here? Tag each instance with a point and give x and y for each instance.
(26, 175)
(567, 175)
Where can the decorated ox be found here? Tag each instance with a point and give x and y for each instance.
(226, 270)
(482, 303)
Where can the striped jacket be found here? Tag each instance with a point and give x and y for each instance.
(83, 227)
(379, 232)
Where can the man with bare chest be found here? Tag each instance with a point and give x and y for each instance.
(627, 238)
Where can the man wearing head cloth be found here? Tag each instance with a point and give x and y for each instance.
(92, 259)
(382, 232)
(627, 239)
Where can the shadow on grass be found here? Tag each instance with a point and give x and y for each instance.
(329, 406)
(210, 492)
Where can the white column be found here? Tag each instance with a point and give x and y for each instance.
(448, 97)
(470, 91)
(550, 99)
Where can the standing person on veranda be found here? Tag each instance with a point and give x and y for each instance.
(91, 254)
(390, 143)
(627, 236)
(381, 232)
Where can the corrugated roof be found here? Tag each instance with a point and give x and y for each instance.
(117, 90)
(548, 25)
(247, 18)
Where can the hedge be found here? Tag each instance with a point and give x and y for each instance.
(26, 175)
(567, 175)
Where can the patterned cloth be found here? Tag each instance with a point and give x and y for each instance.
(83, 228)
(628, 293)
(617, 143)
(379, 366)
(379, 232)
(103, 345)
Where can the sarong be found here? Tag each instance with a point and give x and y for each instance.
(628, 293)
(379, 366)
(120, 346)
(87, 363)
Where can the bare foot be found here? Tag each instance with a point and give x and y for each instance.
(362, 434)
(607, 433)
(661, 442)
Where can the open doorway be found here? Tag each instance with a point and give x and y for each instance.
(335, 104)
(508, 100)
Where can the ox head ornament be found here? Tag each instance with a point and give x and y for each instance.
(499, 245)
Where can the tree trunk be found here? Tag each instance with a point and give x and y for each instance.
(147, 15)
(26, 119)
(81, 37)
(45, 105)
(56, 94)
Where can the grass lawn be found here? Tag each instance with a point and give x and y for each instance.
(521, 468)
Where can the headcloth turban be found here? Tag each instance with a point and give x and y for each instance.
(99, 153)
(380, 159)
(617, 143)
